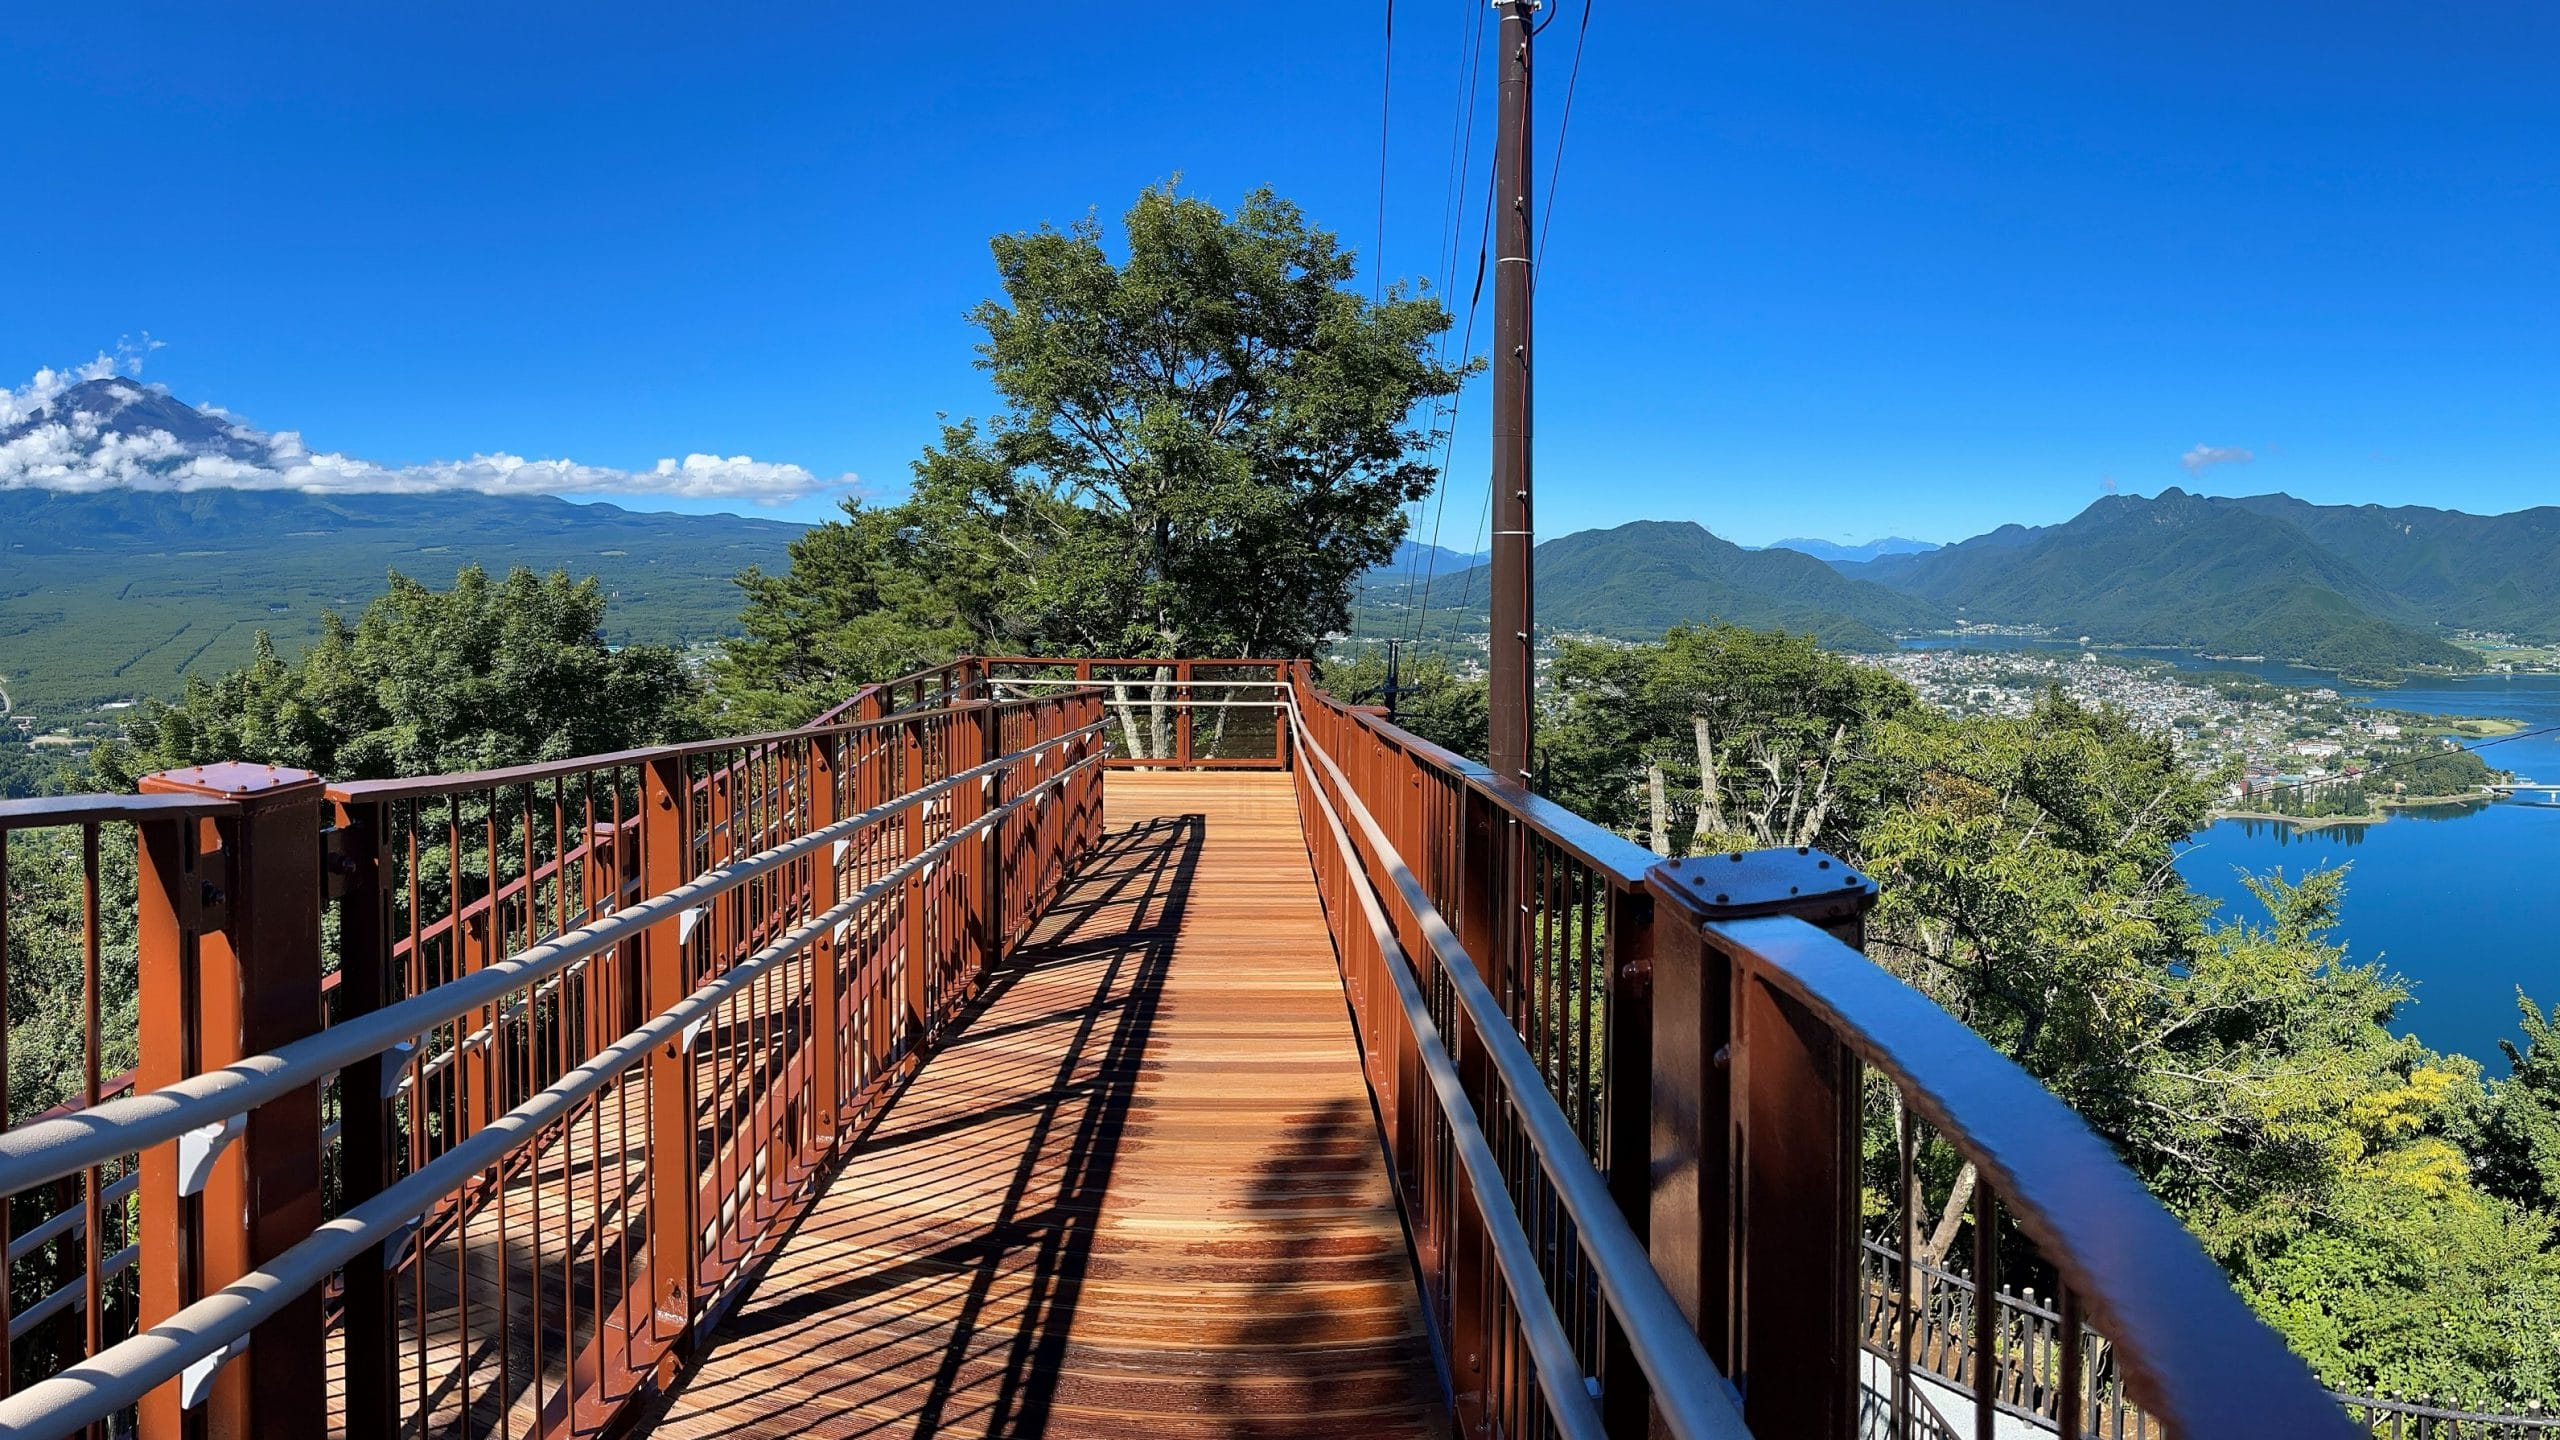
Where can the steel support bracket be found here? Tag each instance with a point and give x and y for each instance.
(196, 1381)
(344, 855)
(200, 1147)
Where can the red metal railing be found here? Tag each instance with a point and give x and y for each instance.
(586, 1032)
(812, 906)
(1707, 1036)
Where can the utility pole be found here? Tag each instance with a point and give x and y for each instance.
(1512, 656)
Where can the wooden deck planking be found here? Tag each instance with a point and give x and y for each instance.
(1140, 1191)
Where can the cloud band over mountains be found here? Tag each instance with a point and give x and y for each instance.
(97, 427)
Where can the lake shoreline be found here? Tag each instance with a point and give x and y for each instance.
(2397, 802)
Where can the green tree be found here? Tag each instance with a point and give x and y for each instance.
(1720, 737)
(1202, 444)
(866, 598)
(2516, 1140)
(1436, 703)
(427, 682)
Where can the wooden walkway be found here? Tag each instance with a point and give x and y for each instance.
(1139, 1193)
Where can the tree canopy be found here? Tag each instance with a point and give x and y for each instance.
(2397, 1220)
(426, 682)
(1201, 444)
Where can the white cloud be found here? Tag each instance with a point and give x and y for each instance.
(81, 452)
(2204, 457)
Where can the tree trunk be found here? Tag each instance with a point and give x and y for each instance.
(1822, 793)
(1161, 708)
(1135, 737)
(1657, 794)
(1710, 787)
(1933, 1249)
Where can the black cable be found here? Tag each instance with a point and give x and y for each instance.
(1386, 99)
(1453, 218)
(1555, 165)
(1484, 242)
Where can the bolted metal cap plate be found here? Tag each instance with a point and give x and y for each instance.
(228, 780)
(1738, 884)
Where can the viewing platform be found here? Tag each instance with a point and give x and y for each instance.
(1045, 1047)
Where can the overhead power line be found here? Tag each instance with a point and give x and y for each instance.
(1564, 125)
(1386, 112)
(1453, 217)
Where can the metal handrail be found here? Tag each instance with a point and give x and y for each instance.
(1688, 1390)
(2185, 1343)
(215, 1326)
(48, 811)
(56, 1146)
(1559, 1372)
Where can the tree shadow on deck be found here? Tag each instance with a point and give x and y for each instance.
(964, 1224)
(1342, 1369)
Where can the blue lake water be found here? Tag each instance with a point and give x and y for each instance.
(2462, 903)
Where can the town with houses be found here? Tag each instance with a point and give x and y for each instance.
(2280, 749)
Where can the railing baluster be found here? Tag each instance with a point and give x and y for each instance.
(666, 860)
(1907, 1293)
(360, 875)
(2073, 1411)
(1986, 1310)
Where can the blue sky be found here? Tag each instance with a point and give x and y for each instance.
(1832, 270)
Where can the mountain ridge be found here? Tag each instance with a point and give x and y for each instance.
(119, 592)
(2231, 576)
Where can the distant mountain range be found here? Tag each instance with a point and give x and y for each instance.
(2356, 588)
(111, 594)
(111, 591)
(1640, 579)
(2361, 589)
(120, 591)
(1837, 554)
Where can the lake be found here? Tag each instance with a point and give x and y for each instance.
(2461, 902)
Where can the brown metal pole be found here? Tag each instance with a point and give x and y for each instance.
(254, 918)
(825, 956)
(1513, 608)
(990, 846)
(666, 861)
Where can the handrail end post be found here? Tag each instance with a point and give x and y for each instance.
(1755, 1138)
(245, 896)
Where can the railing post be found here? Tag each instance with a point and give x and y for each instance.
(1627, 959)
(1182, 713)
(360, 876)
(990, 847)
(666, 861)
(1487, 885)
(1755, 1141)
(230, 967)
(820, 774)
(918, 988)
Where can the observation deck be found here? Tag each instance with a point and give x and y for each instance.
(1040, 1046)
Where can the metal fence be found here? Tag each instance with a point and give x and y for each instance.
(468, 1103)
(584, 1035)
(2027, 1346)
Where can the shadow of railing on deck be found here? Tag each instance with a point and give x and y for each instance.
(1026, 1259)
(1320, 1148)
